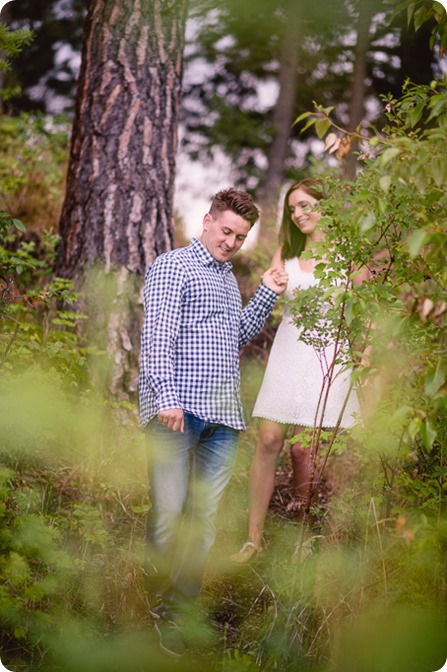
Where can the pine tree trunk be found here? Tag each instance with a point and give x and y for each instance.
(118, 205)
(118, 210)
(282, 124)
(358, 87)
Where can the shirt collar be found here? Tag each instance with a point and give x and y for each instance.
(206, 258)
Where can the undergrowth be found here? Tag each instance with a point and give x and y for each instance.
(367, 591)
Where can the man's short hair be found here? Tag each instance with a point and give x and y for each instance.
(237, 201)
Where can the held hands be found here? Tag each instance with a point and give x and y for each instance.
(172, 418)
(276, 278)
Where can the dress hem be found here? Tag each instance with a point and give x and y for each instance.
(299, 422)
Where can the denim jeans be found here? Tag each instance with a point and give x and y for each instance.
(187, 476)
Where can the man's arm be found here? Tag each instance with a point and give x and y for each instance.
(274, 283)
(163, 294)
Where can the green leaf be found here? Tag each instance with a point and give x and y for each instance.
(410, 12)
(416, 113)
(308, 125)
(420, 180)
(434, 380)
(388, 155)
(349, 312)
(301, 117)
(144, 508)
(402, 412)
(428, 434)
(63, 323)
(437, 104)
(413, 428)
(367, 222)
(22, 262)
(416, 241)
(421, 15)
(321, 127)
(438, 169)
(19, 225)
(385, 183)
(438, 7)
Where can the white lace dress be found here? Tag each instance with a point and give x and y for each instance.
(296, 373)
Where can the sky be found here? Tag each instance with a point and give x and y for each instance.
(197, 183)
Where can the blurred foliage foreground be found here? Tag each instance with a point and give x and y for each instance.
(369, 594)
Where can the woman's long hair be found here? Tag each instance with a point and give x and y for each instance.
(291, 239)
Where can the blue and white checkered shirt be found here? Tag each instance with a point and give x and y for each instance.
(193, 330)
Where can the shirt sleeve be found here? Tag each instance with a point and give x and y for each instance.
(163, 291)
(255, 313)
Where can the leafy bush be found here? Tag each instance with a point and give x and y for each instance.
(383, 545)
(33, 159)
(11, 44)
(392, 220)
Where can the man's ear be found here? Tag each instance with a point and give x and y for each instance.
(207, 221)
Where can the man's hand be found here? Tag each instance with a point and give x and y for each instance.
(276, 279)
(172, 418)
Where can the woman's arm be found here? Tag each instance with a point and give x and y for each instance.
(277, 260)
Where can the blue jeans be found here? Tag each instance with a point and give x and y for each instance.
(187, 476)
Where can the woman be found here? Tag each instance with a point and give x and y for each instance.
(294, 377)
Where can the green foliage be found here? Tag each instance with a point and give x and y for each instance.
(33, 326)
(244, 45)
(392, 221)
(33, 568)
(7, 221)
(419, 12)
(11, 44)
(60, 483)
(33, 157)
(51, 60)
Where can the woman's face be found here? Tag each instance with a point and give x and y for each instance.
(303, 212)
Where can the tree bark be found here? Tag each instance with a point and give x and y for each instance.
(119, 198)
(118, 210)
(282, 124)
(358, 87)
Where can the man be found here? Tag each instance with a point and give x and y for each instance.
(190, 402)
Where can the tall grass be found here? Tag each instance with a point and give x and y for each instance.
(368, 594)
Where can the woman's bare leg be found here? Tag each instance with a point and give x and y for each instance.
(262, 476)
(300, 466)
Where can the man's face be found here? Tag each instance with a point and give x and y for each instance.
(224, 235)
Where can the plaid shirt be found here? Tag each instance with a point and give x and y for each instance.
(193, 330)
